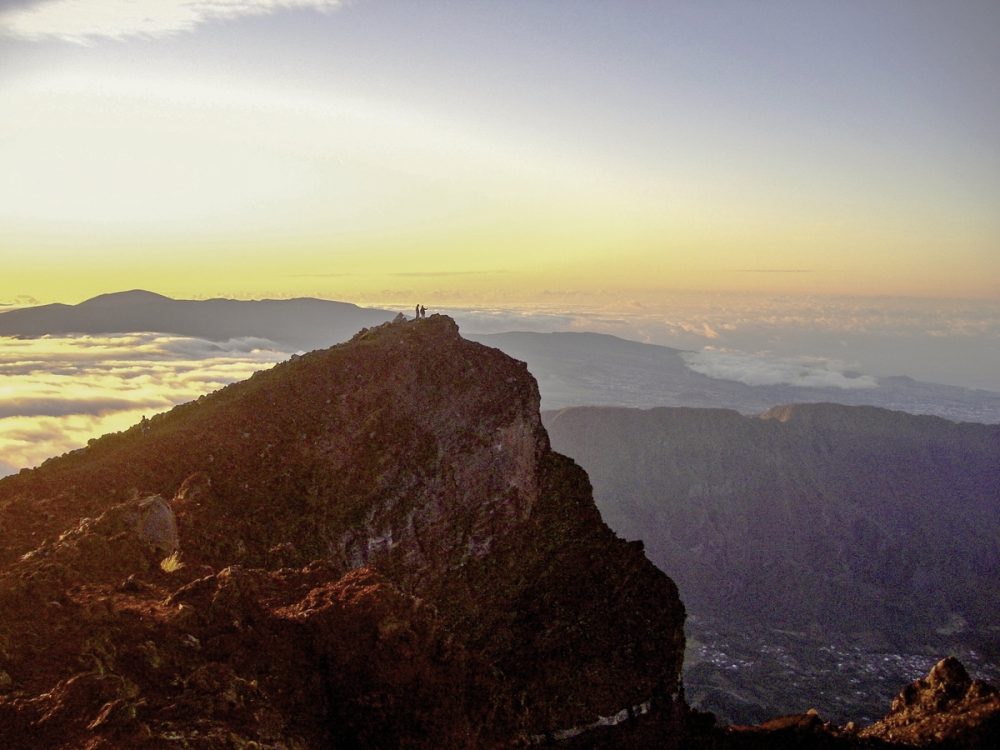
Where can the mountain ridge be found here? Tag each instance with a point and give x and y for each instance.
(574, 368)
(300, 323)
(408, 451)
(811, 530)
(714, 454)
(349, 537)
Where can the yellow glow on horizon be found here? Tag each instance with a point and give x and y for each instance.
(117, 184)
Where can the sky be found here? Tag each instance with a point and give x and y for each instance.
(513, 153)
(785, 188)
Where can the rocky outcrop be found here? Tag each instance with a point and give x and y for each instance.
(285, 659)
(945, 709)
(370, 545)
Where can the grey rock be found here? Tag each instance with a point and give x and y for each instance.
(157, 525)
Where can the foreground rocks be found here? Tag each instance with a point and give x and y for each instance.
(370, 546)
(946, 707)
(944, 710)
(367, 546)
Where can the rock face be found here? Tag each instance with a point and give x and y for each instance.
(811, 537)
(944, 709)
(846, 519)
(375, 547)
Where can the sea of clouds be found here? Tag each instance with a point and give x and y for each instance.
(57, 392)
(755, 369)
(757, 340)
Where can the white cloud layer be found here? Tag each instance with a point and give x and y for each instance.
(57, 392)
(83, 21)
(956, 342)
(752, 369)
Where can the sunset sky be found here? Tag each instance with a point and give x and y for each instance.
(503, 152)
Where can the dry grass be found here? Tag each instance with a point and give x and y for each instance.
(171, 564)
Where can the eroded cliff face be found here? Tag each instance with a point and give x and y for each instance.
(854, 520)
(378, 547)
(813, 536)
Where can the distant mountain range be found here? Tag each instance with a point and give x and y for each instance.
(302, 323)
(572, 368)
(819, 522)
(579, 369)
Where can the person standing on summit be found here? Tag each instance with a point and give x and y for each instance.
(417, 312)
(423, 311)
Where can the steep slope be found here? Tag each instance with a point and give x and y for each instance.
(834, 514)
(366, 524)
(296, 323)
(807, 534)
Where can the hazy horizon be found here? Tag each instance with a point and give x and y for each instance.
(949, 341)
(60, 390)
(795, 192)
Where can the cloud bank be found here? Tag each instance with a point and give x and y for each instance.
(57, 392)
(956, 342)
(752, 369)
(83, 21)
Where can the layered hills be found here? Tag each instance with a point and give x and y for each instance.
(810, 537)
(366, 546)
(592, 369)
(572, 368)
(302, 323)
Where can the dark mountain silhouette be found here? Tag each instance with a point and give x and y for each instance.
(295, 323)
(592, 369)
(572, 368)
(370, 545)
(808, 533)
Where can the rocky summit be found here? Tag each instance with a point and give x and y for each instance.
(370, 545)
